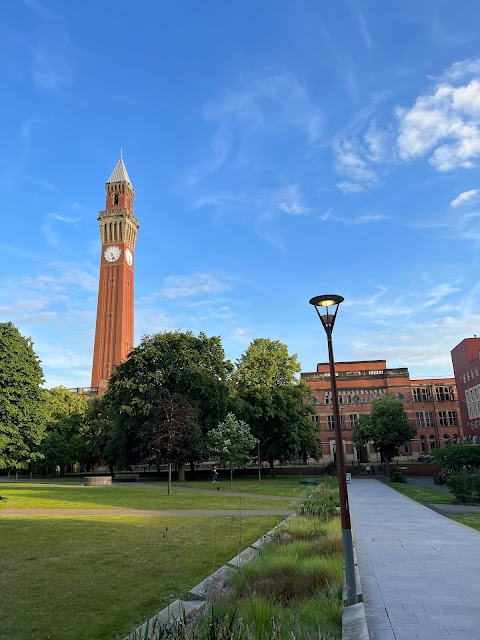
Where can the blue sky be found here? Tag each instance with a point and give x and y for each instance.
(278, 149)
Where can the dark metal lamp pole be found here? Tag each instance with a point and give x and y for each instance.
(328, 320)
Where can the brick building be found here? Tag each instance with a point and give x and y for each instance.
(466, 366)
(430, 404)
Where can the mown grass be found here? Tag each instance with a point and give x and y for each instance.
(424, 495)
(93, 577)
(280, 486)
(471, 520)
(41, 496)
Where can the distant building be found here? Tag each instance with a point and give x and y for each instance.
(466, 366)
(430, 404)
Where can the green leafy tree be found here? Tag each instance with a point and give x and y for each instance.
(386, 426)
(275, 404)
(455, 458)
(193, 369)
(232, 442)
(65, 414)
(22, 415)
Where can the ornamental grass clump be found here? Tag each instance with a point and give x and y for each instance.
(323, 501)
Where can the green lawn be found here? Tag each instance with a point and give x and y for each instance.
(280, 486)
(471, 520)
(56, 496)
(93, 577)
(424, 495)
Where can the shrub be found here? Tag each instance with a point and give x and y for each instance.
(331, 469)
(465, 487)
(397, 476)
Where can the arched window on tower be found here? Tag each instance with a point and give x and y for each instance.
(115, 199)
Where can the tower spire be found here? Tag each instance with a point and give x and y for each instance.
(119, 174)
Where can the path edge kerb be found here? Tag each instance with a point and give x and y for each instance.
(354, 617)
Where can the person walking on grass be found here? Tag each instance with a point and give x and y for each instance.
(214, 475)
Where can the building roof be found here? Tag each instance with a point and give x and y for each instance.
(119, 174)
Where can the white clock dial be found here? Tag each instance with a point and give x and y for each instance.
(111, 254)
(129, 257)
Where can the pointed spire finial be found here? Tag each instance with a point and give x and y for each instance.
(121, 156)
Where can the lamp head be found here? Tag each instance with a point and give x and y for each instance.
(327, 301)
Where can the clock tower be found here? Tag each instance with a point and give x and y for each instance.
(118, 233)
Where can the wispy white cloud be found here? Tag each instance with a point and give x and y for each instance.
(467, 197)
(183, 286)
(51, 68)
(367, 218)
(367, 39)
(274, 103)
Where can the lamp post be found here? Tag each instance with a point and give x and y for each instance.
(328, 320)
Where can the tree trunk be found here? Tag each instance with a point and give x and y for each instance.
(169, 478)
(272, 468)
(181, 472)
(231, 475)
(16, 475)
(8, 475)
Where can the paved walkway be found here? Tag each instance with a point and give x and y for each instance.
(420, 571)
(143, 512)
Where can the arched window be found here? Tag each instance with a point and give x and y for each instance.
(423, 444)
(115, 199)
(446, 439)
(455, 438)
(407, 447)
(433, 443)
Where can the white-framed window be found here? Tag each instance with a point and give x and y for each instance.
(330, 424)
(444, 394)
(419, 419)
(422, 394)
(353, 420)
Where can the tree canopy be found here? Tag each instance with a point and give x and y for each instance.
(193, 369)
(22, 416)
(232, 442)
(276, 405)
(386, 426)
(65, 414)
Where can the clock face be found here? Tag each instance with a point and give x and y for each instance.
(129, 257)
(111, 254)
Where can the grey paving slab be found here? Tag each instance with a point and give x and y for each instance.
(420, 571)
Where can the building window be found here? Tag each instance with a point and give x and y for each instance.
(433, 443)
(446, 439)
(315, 419)
(429, 418)
(328, 397)
(342, 422)
(330, 423)
(419, 419)
(423, 444)
(444, 394)
(353, 420)
(407, 447)
(422, 394)
(452, 418)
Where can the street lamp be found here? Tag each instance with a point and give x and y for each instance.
(328, 320)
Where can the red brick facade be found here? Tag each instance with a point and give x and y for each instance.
(115, 309)
(466, 366)
(430, 404)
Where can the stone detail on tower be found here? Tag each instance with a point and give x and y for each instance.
(115, 308)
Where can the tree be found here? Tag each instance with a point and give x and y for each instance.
(386, 426)
(65, 414)
(22, 416)
(191, 368)
(455, 458)
(274, 403)
(232, 442)
(175, 436)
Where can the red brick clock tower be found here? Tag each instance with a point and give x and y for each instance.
(118, 232)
